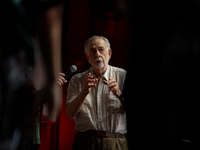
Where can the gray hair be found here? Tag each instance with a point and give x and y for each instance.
(94, 37)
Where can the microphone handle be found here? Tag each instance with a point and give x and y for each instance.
(68, 74)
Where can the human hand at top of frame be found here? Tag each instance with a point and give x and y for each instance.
(61, 80)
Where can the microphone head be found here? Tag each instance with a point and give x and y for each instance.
(73, 68)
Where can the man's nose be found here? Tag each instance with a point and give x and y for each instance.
(97, 54)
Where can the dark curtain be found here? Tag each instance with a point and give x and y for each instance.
(162, 83)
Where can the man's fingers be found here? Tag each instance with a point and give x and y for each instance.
(89, 75)
(64, 80)
(109, 82)
(106, 82)
(92, 80)
(62, 74)
(91, 85)
(61, 80)
(111, 85)
(111, 79)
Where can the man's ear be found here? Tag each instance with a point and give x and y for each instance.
(87, 57)
(110, 53)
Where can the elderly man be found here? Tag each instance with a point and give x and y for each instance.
(95, 101)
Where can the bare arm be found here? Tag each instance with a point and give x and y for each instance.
(50, 37)
(74, 107)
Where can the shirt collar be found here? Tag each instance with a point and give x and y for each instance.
(106, 74)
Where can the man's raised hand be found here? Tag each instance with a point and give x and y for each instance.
(89, 83)
(113, 86)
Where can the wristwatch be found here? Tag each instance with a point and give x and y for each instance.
(121, 96)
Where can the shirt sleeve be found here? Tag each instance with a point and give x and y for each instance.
(73, 90)
(123, 79)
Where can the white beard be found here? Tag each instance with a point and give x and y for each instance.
(102, 64)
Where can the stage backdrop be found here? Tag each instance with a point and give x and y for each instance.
(81, 20)
(58, 135)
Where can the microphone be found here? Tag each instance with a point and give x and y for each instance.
(72, 69)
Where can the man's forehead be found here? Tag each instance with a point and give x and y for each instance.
(97, 42)
(93, 47)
